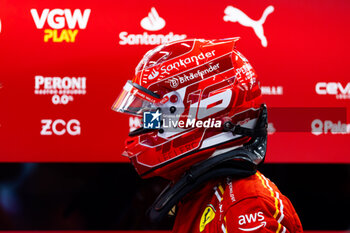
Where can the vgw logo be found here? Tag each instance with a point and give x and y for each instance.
(151, 120)
(152, 22)
(56, 19)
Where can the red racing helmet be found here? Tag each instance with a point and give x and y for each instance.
(198, 99)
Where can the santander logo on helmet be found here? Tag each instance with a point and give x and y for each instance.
(209, 99)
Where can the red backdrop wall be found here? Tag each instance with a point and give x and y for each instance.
(59, 77)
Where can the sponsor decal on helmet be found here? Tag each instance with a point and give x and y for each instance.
(174, 82)
(207, 216)
(333, 88)
(234, 15)
(154, 74)
(190, 76)
(200, 73)
(152, 22)
(60, 127)
(272, 90)
(319, 127)
(206, 70)
(61, 89)
(271, 128)
(248, 74)
(166, 69)
(62, 23)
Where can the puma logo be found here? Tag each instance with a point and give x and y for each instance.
(234, 15)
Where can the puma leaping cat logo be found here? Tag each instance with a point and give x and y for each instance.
(236, 15)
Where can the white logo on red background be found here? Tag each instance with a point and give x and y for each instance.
(333, 88)
(154, 74)
(271, 128)
(234, 15)
(255, 221)
(60, 127)
(174, 82)
(152, 22)
(272, 90)
(134, 123)
(61, 89)
(184, 62)
(61, 19)
(0, 26)
(247, 70)
(319, 127)
(229, 182)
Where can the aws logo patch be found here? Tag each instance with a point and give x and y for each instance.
(207, 216)
(251, 222)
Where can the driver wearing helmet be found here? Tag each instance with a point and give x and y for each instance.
(205, 130)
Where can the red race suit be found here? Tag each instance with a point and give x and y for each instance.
(251, 204)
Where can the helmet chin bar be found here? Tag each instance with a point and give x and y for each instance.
(240, 162)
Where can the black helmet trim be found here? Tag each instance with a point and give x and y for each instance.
(216, 167)
(151, 93)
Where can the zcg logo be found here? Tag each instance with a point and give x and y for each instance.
(60, 127)
(57, 19)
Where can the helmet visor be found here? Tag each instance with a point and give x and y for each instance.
(134, 101)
